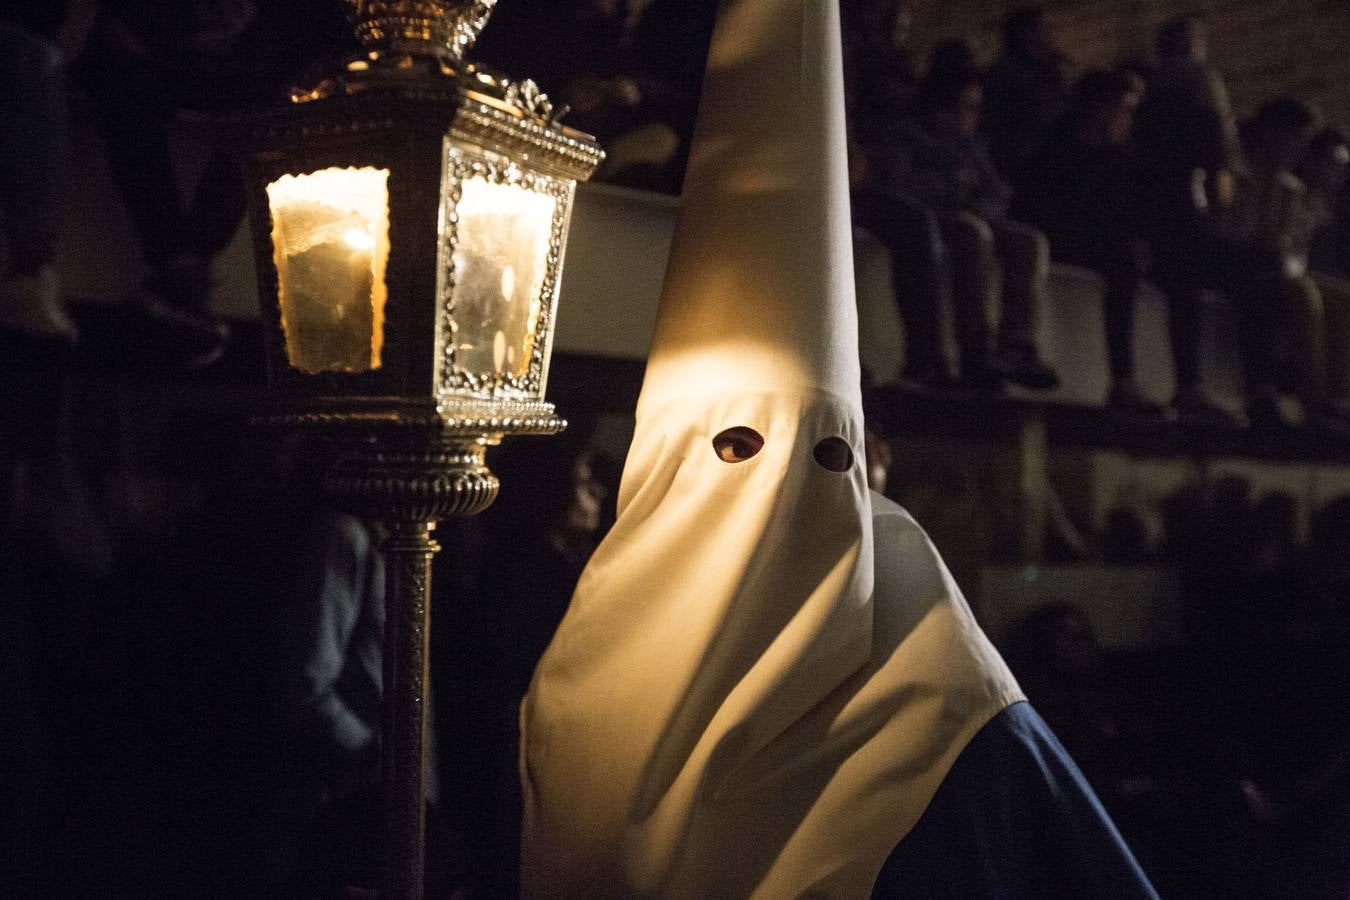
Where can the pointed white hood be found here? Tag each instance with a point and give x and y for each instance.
(759, 291)
(725, 711)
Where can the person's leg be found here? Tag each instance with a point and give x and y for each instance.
(1336, 312)
(909, 232)
(1302, 340)
(1258, 288)
(1183, 327)
(33, 152)
(1188, 259)
(217, 207)
(133, 106)
(132, 109)
(1025, 256)
(32, 158)
(971, 260)
(1118, 311)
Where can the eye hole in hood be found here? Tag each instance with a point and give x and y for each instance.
(737, 444)
(834, 453)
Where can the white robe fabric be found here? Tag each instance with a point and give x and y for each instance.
(765, 671)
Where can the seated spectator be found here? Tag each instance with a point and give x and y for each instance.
(1187, 149)
(1187, 133)
(909, 231)
(879, 83)
(1324, 171)
(949, 170)
(1078, 190)
(1054, 653)
(879, 71)
(1026, 90)
(1330, 249)
(1271, 217)
(139, 67)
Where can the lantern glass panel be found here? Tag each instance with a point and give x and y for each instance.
(330, 241)
(504, 236)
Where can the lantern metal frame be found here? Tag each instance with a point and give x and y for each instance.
(409, 437)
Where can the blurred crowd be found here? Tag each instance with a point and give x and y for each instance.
(1225, 758)
(141, 72)
(191, 650)
(978, 178)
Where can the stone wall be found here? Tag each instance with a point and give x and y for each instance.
(1267, 48)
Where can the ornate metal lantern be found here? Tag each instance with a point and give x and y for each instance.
(409, 216)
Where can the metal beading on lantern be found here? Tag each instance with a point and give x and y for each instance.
(409, 218)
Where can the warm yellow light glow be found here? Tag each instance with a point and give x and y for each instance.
(500, 265)
(359, 239)
(330, 239)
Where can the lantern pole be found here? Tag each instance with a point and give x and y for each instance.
(408, 476)
(408, 551)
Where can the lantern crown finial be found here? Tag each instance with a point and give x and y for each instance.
(440, 28)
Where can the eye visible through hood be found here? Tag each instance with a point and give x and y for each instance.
(737, 444)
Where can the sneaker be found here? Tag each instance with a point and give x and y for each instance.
(1128, 397)
(1195, 403)
(32, 305)
(1024, 366)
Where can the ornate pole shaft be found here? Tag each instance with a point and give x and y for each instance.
(409, 479)
(408, 551)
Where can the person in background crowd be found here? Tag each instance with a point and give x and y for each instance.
(880, 82)
(879, 458)
(1026, 90)
(949, 170)
(1188, 154)
(557, 502)
(326, 641)
(1079, 191)
(1054, 653)
(879, 71)
(1323, 171)
(140, 64)
(909, 232)
(1188, 149)
(1188, 135)
(1271, 218)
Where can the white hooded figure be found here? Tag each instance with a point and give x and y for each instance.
(766, 672)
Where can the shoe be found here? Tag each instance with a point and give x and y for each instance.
(1194, 403)
(193, 339)
(1024, 366)
(32, 305)
(1127, 397)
